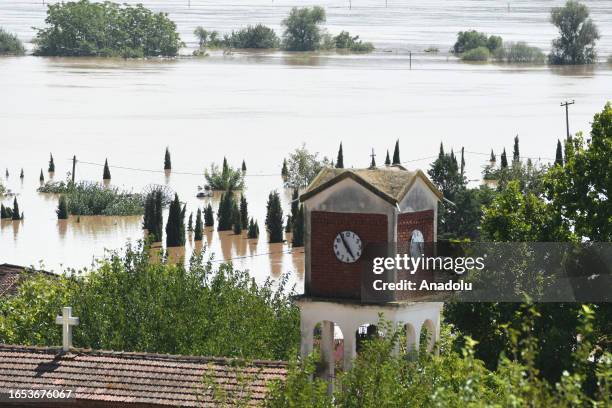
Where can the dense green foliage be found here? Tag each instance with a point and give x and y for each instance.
(225, 213)
(470, 40)
(197, 236)
(577, 35)
(10, 44)
(476, 54)
(244, 211)
(520, 52)
(153, 216)
(450, 378)
(16, 214)
(302, 167)
(298, 228)
(258, 36)
(236, 219)
(253, 230)
(62, 208)
(85, 198)
(274, 218)
(6, 213)
(175, 227)
(209, 219)
(84, 28)
(226, 179)
(129, 303)
(51, 163)
(167, 160)
(344, 41)
(302, 31)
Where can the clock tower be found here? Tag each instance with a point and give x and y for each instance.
(345, 212)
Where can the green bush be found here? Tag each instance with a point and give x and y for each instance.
(83, 28)
(344, 41)
(226, 179)
(87, 198)
(476, 54)
(520, 52)
(10, 44)
(469, 40)
(258, 36)
(130, 303)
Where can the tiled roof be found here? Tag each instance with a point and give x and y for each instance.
(10, 276)
(121, 379)
(390, 183)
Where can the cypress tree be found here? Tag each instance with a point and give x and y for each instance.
(42, 177)
(147, 211)
(153, 216)
(3, 213)
(198, 226)
(396, 153)
(289, 223)
(62, 209)
(190, 223)
(387, 159)
(236, 219)
(516, 155)
(167, 160)
(274, 218)
(6, 173)
(284, 170)
(175, 228)
(16, 214)
(504, 159)
(253, 231)
(51, 163)
(225, 212)
(244, 167)
(492, 159)
(209, 219)
(340, 159)
(441, 153)
(559, 154)
(373, 163)
(462, 162)
(298, 228)
(106, 175)
(295, 203)
(244, 211)
(21, 175)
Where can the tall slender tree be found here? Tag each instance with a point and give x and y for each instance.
(559, 154)
(21, 175)
(504, 159)
(225, 212)
(284, 170)
(492, 159)
(153, 216)
(516, 154)
(298, 228)
(244, 169)
(244, 211)
(462, 162)
(197, 236)
(209, 220)
(51, 163)
(253, 230)
(106, 175)
(16, 214)
(42, 177)
(62, 208)
(167, 160)
(190, 223)
(396, 153)
(387, 159)
(340, 159)
(236, 219)
(175, 228)
(3, 212)
(441, 153)
(274, 218)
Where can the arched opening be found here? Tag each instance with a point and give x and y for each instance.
(428, 335)
(366, 332)
(328, 343)
(411, 340)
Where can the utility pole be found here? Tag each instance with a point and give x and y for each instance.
(73, 167)
(410, 53)
(566, 104)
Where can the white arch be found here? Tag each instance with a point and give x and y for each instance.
(431, 334)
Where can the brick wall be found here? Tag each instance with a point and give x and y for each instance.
(328, 276)
(421, 220)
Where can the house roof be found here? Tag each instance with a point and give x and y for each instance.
(390, 183)
(10, 276)
(121, 379)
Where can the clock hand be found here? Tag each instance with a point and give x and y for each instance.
(348, 248)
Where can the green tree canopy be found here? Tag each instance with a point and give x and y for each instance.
(577, 35)
(302, 32)
(10, 44)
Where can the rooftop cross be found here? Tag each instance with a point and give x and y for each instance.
(67, 321)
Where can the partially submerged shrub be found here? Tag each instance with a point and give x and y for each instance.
(470, 40)
(476, 54)
(258, 36)
(344, 41)
(520, 52)
(224, 179)
(10, 44)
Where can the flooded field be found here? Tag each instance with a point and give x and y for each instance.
(258, 107)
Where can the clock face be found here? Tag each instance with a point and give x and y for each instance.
(347, 247)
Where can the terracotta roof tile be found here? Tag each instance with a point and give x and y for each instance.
(124, 379)
(10, 276)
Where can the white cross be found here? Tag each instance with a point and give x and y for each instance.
(67, 321)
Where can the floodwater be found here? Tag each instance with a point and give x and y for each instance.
(258, 107)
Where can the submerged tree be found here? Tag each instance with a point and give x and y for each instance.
(577, 35)
(209, 219)
(51, 164)
(10, 44)
(197, 236)
(224, 179)
(225, 212)
(396, 153)
(16, 214)
(175, 228)
(106, 175)
(274, 218)
(298, 228)
(153, 217)
(244, 211)
(244, 168)
(340, 159)
(62, 208)
(253, 230)
(167, 161)
(236, 219)
(302, 32)
(190, 223)
(42, 177)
